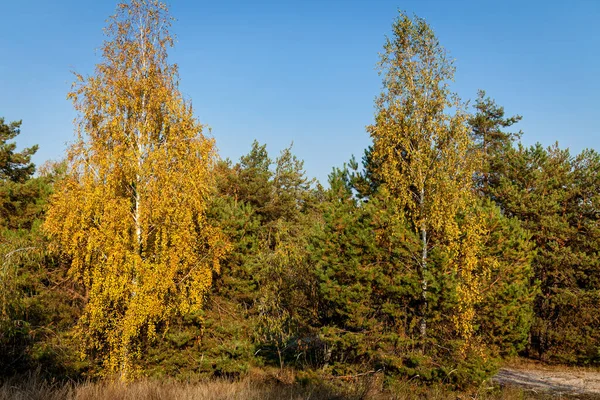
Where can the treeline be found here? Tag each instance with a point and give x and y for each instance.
(449, 248)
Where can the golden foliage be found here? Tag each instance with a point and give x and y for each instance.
(425, 156)
(130, 214)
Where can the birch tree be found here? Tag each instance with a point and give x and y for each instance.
(423, 152)
(130, 215)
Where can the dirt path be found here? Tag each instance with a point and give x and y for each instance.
(555, 381)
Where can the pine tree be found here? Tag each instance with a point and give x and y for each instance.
(21, 195)
(505, 313)
(555, 197)
(17, 199)
(490, 139)
(14, 167)
(369, 290)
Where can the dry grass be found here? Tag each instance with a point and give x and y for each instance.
(154, 390)
(34, 388)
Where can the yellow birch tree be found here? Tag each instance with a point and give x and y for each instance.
(130, 215)
(423, 150)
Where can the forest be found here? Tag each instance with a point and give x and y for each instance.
(446, 249)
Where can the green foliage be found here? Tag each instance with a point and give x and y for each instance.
(260, 304)
(370, 293)
(212, 344)
(487, 130)
(368, 286)
(14, 167)
(505, 312)
(555, 196)
(21, 203)
(21, 197)
(14, 326)
(39, 308)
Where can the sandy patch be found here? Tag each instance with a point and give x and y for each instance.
(553, 381)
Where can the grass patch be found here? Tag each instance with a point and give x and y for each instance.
(257, 386)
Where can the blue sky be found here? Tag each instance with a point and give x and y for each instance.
(304, 71)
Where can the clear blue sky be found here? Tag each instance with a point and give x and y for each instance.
(304, 71)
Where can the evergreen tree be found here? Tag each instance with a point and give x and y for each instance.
(505, 313)
(490, 139)
(555, 196)
(21, 196)
(14, 167)
(369, 288)
(18, 206)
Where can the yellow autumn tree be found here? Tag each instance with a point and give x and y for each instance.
(424, 155)
(130, 215)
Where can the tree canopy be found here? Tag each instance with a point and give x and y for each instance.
(130, 214)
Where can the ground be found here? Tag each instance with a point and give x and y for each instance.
(572, 382)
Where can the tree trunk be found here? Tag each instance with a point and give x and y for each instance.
(423, 325)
